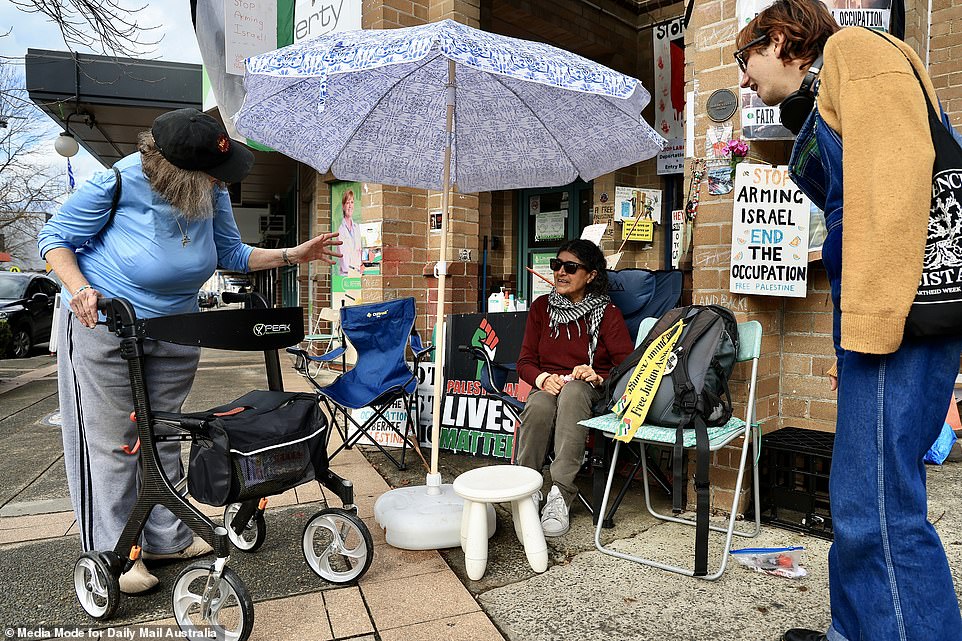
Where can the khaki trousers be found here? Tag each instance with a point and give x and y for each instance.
(546, 417)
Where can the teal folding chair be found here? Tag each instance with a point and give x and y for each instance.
(330, 345)
(749, 348)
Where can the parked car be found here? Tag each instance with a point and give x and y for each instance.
(26, 305)
(207, 300)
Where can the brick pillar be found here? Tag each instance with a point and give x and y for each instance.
(708, 48)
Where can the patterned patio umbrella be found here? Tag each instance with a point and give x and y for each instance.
(444, 104)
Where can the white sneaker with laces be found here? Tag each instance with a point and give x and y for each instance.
(554, 517)
(536, 499)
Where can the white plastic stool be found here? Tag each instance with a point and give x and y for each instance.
(500, 484)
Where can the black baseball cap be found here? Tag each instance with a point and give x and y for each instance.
(195, 141)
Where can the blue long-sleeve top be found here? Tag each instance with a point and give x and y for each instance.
(140, 256)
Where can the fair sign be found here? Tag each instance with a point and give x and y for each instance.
(769, 254)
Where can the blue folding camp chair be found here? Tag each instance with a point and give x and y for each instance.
(380, 334)
(643, 293)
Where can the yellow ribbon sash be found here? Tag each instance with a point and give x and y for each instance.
(634, 404)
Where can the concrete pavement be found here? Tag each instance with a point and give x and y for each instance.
(405, 595)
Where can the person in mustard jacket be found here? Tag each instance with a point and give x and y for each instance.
(888, 572)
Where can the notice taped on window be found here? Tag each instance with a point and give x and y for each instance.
(769, 233)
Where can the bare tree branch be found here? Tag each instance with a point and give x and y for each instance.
(29, 187)
(102, 25)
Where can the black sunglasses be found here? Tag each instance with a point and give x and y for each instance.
(570, 266)
(739, 54)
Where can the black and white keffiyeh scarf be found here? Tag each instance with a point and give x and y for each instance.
(562, 311)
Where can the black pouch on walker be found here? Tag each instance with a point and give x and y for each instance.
(262, 444)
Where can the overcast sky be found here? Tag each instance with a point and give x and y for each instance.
(171, 17)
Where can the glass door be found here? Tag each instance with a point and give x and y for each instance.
(549, 217)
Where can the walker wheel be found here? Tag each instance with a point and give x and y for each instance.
(229, 614)
(254, 533)
(337, 545)
(98, 590)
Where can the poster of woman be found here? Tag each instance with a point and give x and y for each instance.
(346, 219)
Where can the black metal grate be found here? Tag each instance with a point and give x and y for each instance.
(793, 471)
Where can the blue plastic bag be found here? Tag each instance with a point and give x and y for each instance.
(942, 446)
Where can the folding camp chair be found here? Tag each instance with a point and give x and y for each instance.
(641, 293)
(380, 334)
(749, 348)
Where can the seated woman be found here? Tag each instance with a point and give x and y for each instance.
(573, 338)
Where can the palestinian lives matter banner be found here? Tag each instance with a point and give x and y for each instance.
(769, 233)
(472, 422)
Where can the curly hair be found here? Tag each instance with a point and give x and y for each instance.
(591, 257)
(805, 24)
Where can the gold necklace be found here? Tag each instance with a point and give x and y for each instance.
(186, 238)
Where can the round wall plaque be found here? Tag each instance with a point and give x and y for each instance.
(721, 105)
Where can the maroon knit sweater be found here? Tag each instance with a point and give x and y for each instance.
(540, 352)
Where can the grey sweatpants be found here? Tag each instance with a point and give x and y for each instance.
(546, 415)
(95, 407)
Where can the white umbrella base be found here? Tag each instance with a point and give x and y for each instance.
(412, 519)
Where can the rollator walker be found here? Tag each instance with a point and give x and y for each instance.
(261, 444)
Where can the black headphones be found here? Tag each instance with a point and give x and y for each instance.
(795, 108)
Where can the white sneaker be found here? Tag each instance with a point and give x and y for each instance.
(554, 517)
(536, 499)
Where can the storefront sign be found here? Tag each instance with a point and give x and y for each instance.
(314, 18)
(669, 56)
(540, 264)
(769, 233)
(549, 225)
(471, 421)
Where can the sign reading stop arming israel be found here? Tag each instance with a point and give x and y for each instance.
(769, 251)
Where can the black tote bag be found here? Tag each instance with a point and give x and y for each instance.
(937, 309)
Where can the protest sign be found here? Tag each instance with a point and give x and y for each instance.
(769, 253)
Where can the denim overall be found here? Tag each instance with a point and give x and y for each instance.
(888, 574)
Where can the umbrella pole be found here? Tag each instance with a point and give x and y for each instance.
(428, 517)
(441, 271)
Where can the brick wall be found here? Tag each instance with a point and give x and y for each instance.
(945, 56)
(709, 66)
